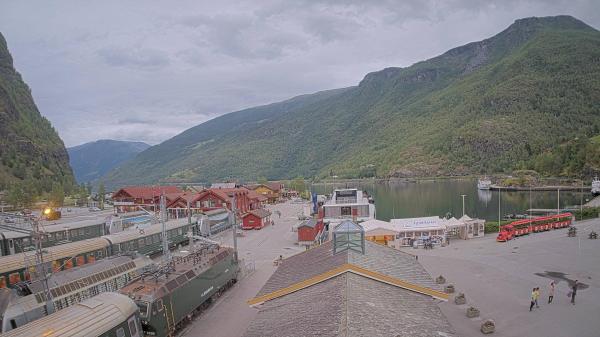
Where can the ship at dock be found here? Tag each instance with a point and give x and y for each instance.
(484, 183)
(348, 204)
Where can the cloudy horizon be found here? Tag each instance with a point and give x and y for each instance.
(146, 71)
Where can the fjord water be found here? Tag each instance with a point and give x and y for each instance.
(439, 197)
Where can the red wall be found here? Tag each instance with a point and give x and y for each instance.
(309, 234)
(258, 222)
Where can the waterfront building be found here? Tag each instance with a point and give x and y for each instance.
(404, 232)
(349, 286)
(348, 204)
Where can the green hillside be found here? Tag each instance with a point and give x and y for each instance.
(518, 100)
(32, 155)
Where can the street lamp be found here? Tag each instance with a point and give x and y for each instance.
(463, 202)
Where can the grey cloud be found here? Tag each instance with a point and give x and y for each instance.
(141, 58)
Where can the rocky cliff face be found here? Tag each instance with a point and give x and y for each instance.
(30, 148)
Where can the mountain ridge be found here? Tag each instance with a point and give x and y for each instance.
(92, 160)
(440, 116)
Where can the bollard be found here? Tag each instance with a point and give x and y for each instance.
(440, 280)
(488, 326)
(460, 299)
(449, 289)
(472, 312)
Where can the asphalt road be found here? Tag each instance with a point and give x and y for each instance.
(230, 315)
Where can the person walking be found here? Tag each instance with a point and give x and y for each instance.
(551, 292)
(574, 291)
(537, 296)
(532, 299)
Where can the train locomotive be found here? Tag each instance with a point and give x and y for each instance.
(169, 297)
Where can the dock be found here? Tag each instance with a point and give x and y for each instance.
(550, 210)
(541, 188)
(595, 202)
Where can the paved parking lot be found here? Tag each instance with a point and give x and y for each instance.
(498, 278)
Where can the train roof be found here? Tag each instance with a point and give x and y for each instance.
(72, 281)
(61, 226)
(187, 268)
(14, 234)
(17, 261)
(92, 317)
(133, 234)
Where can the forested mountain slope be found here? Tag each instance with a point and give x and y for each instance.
(31, 152)
(517, 100)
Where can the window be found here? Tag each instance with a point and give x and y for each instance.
(132, 327)
(74, 233)
(346, 211)
(120, 332)
(81, 232)
(141, 243)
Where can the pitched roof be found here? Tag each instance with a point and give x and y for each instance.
(252, 194)
(261, 213)
(384, 292)
(312, 223)
(147, 192)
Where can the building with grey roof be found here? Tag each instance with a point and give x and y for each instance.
(349, 287)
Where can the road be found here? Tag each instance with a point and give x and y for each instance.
(498, 278)
(229, 316)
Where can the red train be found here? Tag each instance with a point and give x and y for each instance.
(526, 226)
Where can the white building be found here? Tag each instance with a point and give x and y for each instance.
(348, 204)
(403, 232)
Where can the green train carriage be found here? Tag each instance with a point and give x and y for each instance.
(167, 303)
(148, 241)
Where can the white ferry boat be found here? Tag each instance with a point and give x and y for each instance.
(596, 186)
(484, 184)
(348, 204)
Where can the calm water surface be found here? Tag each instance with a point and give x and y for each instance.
(429, 198)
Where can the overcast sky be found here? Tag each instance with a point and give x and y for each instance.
(147, 70)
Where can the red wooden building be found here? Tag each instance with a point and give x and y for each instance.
(308, 230)
(256, 219)
(128, 198)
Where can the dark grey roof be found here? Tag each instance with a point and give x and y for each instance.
(308, 223)
(261, 213)
(350, 304)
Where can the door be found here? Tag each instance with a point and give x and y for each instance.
(11, 246)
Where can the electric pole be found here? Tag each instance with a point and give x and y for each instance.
(234, 226)
(463, 200)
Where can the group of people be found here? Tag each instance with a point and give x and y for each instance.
(535, 294)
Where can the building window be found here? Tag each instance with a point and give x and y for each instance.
(346, 211)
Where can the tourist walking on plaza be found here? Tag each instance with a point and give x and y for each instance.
(537, 296)
(574, 291)
(551, 292)
(533, 293)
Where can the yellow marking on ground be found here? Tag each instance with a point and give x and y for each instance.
(347, 267)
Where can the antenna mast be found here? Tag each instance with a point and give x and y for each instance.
(165, 240)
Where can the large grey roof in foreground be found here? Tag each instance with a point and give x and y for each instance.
(350, 304)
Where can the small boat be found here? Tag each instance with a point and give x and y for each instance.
(596, 186)
(484, 184)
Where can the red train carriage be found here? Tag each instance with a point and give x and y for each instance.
(526, 226)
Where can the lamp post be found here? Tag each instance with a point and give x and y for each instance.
(463, 202)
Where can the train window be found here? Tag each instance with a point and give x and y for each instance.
(120, 332)
(2, 282)
(141, 243)
(74, 233)
(143, 309)
(132, 327)
(159, 304)
(81, 232)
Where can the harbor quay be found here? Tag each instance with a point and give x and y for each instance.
(498, 277)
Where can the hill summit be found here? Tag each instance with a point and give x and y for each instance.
(526, 98)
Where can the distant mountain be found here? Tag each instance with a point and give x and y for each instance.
(92, 160)
(526, 98)
(30, 149)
